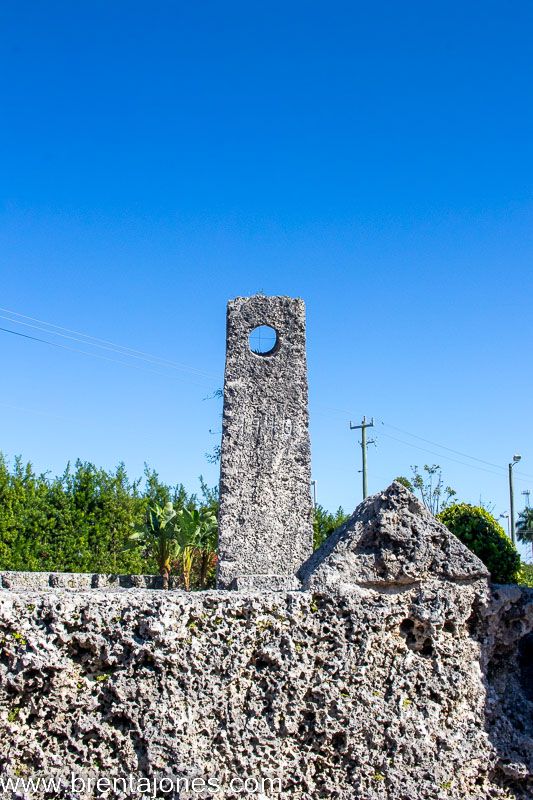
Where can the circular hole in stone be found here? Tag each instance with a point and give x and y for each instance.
(263, 340)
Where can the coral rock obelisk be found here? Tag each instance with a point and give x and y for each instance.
(265, 519)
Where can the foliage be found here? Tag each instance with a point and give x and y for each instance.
(93, 520)
(405, 482)
(183, 540)
(525, 577)
(158, 537)
(324, 523)
(82, 520)
(435, 496)
(198, 544)
(524, 525)
(214, 456)
(482, 534)
(77, 522)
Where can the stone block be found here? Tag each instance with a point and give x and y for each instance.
(265, 520)
(391, 538)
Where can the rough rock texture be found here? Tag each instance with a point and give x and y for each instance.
(265, 520)
(378, 694)
(507, 662)
(74, 581)
(414, 681)
(391, 538)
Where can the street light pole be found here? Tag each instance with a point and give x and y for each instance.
(516, 459)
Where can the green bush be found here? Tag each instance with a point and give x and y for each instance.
(482, 534)
(79, 521)
(526, 575)
(83, 520)
(324, 523)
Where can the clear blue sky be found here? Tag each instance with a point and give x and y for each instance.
(373, 158)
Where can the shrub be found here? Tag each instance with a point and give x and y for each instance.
(82, 520)
(324, 523)
(482, 534)
(526, 575)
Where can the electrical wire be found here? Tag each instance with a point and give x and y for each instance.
(442, 446)
(91, 355)
(128, 352)
(439, 455)
(518, 474)
(451, 450)
(40, 413)
(104, 344)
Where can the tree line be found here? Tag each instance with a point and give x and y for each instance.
(93, 520)
(79, 521)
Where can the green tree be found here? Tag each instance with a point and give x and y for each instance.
(405, 482)
(524, 525)
(198, 538)
(159, 537)
(483, 535)
(81, 520)
(526, 575)
(8, 518)
(324, 523)
(431, 489)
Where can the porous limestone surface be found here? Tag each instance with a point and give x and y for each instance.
(75, 581)
(399, 675)
(375, 694)
(391, 538)
(507, 663)
(265, 518)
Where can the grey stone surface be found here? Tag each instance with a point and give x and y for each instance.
(414, 682)
(267, 583)
(265, 520)
(35, 581)
(507, 664)
(378, 694)
(391, 538)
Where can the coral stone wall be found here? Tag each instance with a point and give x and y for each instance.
(397, 674)
(373, 694)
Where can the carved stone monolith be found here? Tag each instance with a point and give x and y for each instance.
(265, 519)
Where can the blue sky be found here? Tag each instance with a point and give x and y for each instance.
(375, 159)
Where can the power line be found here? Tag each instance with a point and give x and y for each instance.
(104, 344)
(77, 333)
(163, 363)
(442, 446)
(435, 444)
(40, 413)
(85, 353)
(451, 450)
(440, 455)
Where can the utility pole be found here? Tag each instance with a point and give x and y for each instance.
(516, 459)
(363, 426)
